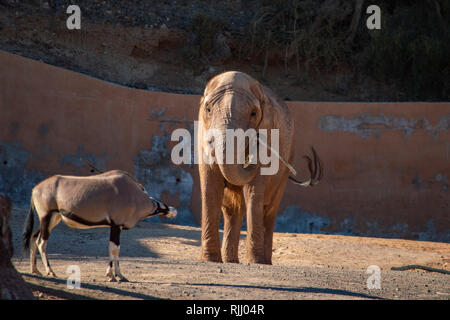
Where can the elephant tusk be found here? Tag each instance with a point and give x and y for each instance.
(291, 168)
(316, 171)
(299, 183)
(248, 161)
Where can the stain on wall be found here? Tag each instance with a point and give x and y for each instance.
(15, 179)
(81, 157)
(153, 168)
(294, 219)
(366, 125)
(387, 165)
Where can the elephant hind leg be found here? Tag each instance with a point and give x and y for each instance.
(233, 209)
(254, 203)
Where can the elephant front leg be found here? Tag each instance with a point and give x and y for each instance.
(270, 214)
(269, 224)
(254, 201)
(231, 233)
(212, 186)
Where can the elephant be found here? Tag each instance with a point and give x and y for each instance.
(234, 100)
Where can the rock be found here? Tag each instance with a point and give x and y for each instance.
(164, 29)
(221, 50)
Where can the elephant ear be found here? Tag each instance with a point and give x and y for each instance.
(266, 104)
(200, 113)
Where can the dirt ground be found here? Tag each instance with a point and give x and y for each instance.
(161, 261)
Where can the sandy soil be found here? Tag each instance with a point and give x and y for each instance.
(161, 262)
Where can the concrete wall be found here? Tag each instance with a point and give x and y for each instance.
(387, 165)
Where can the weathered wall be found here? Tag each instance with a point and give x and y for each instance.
(387, 165)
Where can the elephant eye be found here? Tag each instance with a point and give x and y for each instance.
(208, 109)
(253, 113)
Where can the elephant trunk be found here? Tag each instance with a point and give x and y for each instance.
(236, 173)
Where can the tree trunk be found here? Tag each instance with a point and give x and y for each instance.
(12, 286)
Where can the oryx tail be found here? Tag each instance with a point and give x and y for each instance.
(28, 228)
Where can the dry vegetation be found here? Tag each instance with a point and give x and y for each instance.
(304, 49)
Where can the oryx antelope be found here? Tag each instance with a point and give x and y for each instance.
(112, 199)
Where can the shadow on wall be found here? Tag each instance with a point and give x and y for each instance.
(153, 169)
(15, 180)
(295, 220)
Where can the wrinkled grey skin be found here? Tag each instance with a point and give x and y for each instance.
(234, 100)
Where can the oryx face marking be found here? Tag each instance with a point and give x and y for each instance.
(162, 209)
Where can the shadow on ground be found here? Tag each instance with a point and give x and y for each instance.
(94, 242)
(51, 286)
(293, 289)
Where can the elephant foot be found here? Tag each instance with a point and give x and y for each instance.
(257, 259)
(230, 259)
(211, 257)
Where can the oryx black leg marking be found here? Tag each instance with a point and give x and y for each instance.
(42, 239)
(114, 235)
(33, 248)
(114, 242)
(45, 226)
(114, 250)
